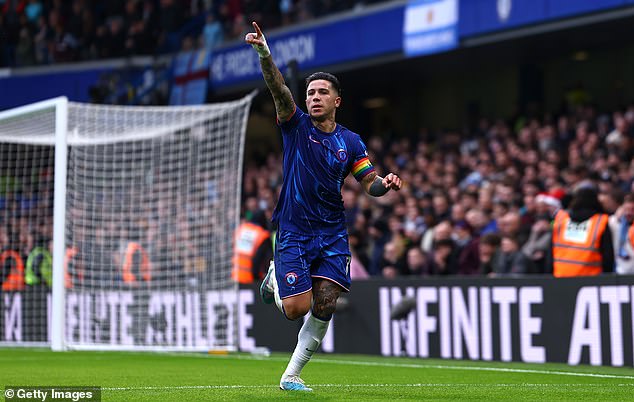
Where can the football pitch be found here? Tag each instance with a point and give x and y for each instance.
(199, 377)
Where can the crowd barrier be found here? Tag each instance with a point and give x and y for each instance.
(532, 319)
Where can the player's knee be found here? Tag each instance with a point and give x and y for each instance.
(294, 311)
(324, 308)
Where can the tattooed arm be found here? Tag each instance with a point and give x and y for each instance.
(284, 103)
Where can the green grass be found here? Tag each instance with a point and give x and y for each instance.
(198, 377)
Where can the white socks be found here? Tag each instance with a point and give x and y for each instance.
(308, 340)
(278, 301)
(276, 291)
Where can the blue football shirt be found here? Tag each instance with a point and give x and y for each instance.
(315, 164)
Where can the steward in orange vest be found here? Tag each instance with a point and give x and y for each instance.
(14, 281)
(252, 250)
(145, 267)
(581, 243)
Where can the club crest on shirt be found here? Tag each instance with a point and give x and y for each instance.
(342, 155)
(291, 278)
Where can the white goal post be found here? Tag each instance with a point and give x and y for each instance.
(116, 225)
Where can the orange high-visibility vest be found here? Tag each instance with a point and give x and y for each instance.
(15, 279)
(146, 268)
(248, 238)
(630, 235)
(70, 253)
(576, 245)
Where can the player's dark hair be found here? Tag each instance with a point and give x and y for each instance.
(325, 76)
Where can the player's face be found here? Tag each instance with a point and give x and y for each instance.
(321, 100)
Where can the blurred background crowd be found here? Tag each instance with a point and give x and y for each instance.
(35, 32)
(480, 201)
(476, 201)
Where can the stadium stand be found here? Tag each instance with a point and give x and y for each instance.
(491, 135)
(500, 177)
(504, 179)
(37, 32)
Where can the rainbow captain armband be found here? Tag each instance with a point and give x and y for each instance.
(362, 168)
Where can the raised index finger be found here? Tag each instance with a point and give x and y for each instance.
(257, 29)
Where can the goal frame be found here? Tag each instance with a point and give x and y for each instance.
(61, 143)
(60, 104)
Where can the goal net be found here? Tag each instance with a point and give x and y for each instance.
(116, 225)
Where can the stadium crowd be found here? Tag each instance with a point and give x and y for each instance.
(35, 32)
(479, 202)
(138, 238)
(476, 202)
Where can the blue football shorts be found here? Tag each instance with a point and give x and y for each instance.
(300, 258)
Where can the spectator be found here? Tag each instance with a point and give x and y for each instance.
(417, 262)
(489, 253)
(171, 15)
(357, 270)
(510, 225)
(212, 35)
(442, 231)
(358, 259)
(63, 43)
(24, 51)
(581, 241)
(442, 261)
(10, 24)
(74, 24)
(620, 223)
(461, 234)
(379, 236)
(393, 263)
(528, 172)
(253, 249)
(42, 40)
(610, 198)
(620, 133)
(538, 244)
(511, 261)
(547, 204)
(33, 11)
(468, 240)
(111, 38)
(148, 25)
(286, 9)
(150, 18)
(441, 206)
